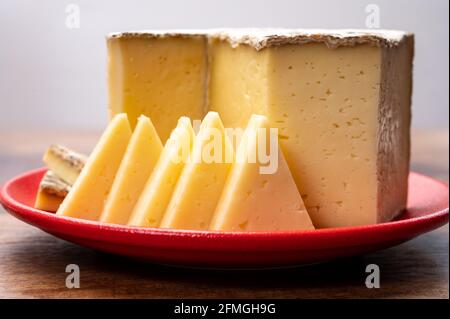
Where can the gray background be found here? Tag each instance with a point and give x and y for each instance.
(52, 76)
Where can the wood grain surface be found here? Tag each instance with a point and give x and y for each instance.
(32, 263)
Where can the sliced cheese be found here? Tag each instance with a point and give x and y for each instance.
(51, 192)
(201, 182)
(253, 201)
(88, 194)
(158, 190)
(162, 76)
(65, 163)
(48, 202)
(138, 162)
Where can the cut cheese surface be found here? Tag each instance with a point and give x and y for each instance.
(232, 71)
(138, 162)
(158, 190)
(201, 182)
(161, 77)
(252, 201)
(343, 130)
(88, 194)
(48, 202)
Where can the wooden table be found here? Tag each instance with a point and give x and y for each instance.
(32, 263)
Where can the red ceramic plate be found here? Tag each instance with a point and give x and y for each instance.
(427, 210)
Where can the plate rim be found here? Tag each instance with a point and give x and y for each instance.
(95, 229)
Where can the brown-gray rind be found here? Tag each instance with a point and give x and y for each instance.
(267, 38)
(394, 128)
(70, 157)
(53, 185)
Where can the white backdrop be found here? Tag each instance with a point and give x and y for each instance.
(52, 74)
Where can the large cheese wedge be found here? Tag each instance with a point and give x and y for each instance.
(161, 75)
(254, 201)
(158, 190)
(87, 196)
(138, 162)
(201, 182)
(340, 99)
(341, 102)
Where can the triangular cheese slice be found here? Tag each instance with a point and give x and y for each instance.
(87, 196)
(138, 162)
(158, 190)
(252, 201)
(202, 179)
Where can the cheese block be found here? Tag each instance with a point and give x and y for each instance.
(253, 201)
(341, 102)
(137, 164)
(51, 192)
(340, 99)
(88, 194)
(65, 163)
(161, 75)
(158, 190)
(201, 182)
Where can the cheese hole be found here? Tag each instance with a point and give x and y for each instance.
(243, 226)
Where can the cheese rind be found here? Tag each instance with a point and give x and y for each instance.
(88, 194)
(158, 190)
(163, 78)
(393, 132)
(137, 164)
(263, 38)
(51, 192)
(200, 184)
(252, 201)
(65, 163)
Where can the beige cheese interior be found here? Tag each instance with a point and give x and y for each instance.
(237, 83)
(163, 78)
(342, 113)
(325, 104)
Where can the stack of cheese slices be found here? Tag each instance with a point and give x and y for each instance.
(130, 178)
(64, 166)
